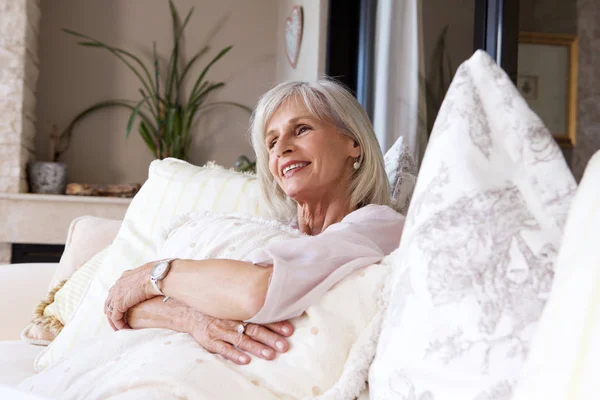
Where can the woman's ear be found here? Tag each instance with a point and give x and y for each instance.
(355, 151)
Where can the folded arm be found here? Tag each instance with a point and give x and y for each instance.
(215, 335)
(226, 289)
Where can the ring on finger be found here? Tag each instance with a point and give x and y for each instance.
(241, 328)
(109, 308)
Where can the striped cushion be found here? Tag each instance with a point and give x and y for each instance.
(173, 187)
(69, 296)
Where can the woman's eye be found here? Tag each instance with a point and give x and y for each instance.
(302, 129)
(272, 144)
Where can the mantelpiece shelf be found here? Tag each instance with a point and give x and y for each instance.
(45, 219)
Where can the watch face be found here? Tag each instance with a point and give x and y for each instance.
(159, 269)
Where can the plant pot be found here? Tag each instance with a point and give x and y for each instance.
(47, 177)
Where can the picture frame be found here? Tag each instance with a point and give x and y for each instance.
(547, 80)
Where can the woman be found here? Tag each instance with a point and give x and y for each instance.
(317, 159)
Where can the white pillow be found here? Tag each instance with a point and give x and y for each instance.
(330, 351)
(401, 171)
(565, 357)
(173, 187)
(475, 263)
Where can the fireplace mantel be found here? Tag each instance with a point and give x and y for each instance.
(45, 219)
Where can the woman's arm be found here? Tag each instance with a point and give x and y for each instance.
(215, 335)
(226, 289)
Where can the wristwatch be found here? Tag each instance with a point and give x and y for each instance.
(159, 272)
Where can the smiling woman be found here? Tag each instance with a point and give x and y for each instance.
(321, 131)
(321, 169)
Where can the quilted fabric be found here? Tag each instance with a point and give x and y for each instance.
(476, 260)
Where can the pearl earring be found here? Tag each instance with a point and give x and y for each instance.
(356, 164)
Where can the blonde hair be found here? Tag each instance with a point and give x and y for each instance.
(328, 101)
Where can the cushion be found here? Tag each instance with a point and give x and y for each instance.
(401, 171)
(330, 351)
(564, 360)
(87, 235)
(475, 263)
(173, 187)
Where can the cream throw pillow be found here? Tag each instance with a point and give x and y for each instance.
(564, 360)
(87, 236)
(173, 187)
(475, 263)
(329, 354)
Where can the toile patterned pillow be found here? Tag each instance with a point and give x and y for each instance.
(401, 171)
(476, 260)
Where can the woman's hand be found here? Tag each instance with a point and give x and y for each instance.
(132, 288)
(215, 335)
(220, 336)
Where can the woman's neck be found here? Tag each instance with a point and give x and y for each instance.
(315, 218)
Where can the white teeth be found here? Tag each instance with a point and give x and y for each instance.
(293, 166)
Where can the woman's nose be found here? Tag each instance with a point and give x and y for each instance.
(283, 146)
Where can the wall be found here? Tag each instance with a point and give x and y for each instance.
(581, 17)
(311, 59)
(73, 77)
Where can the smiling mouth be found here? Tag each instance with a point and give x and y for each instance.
(290, 169)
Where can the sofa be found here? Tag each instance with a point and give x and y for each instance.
(23, 286)
(482, 281)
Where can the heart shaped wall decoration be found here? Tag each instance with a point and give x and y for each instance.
(293, 35)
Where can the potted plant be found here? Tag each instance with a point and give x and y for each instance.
(50, 177)
(165, 114)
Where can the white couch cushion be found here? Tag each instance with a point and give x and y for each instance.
(16, 361)
(565, 357)
(475, 262)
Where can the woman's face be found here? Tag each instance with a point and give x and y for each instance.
(308, 157)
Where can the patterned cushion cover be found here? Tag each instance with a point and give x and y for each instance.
(476, 260)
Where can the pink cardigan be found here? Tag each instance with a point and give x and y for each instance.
(305, 268)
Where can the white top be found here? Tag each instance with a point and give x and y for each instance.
(305, 268)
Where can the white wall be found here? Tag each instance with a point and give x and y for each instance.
(73, 77)
(311, 60)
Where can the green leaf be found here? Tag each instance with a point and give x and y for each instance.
(119, 53)
(189, 64)
(173, 77)
(134, 114)
(201, 95)
(147, 137)
(205, 70)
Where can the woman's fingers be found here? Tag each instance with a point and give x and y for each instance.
(267, 337)
(111, 323)
(229, 352)
(249, 345)
(284, 328)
